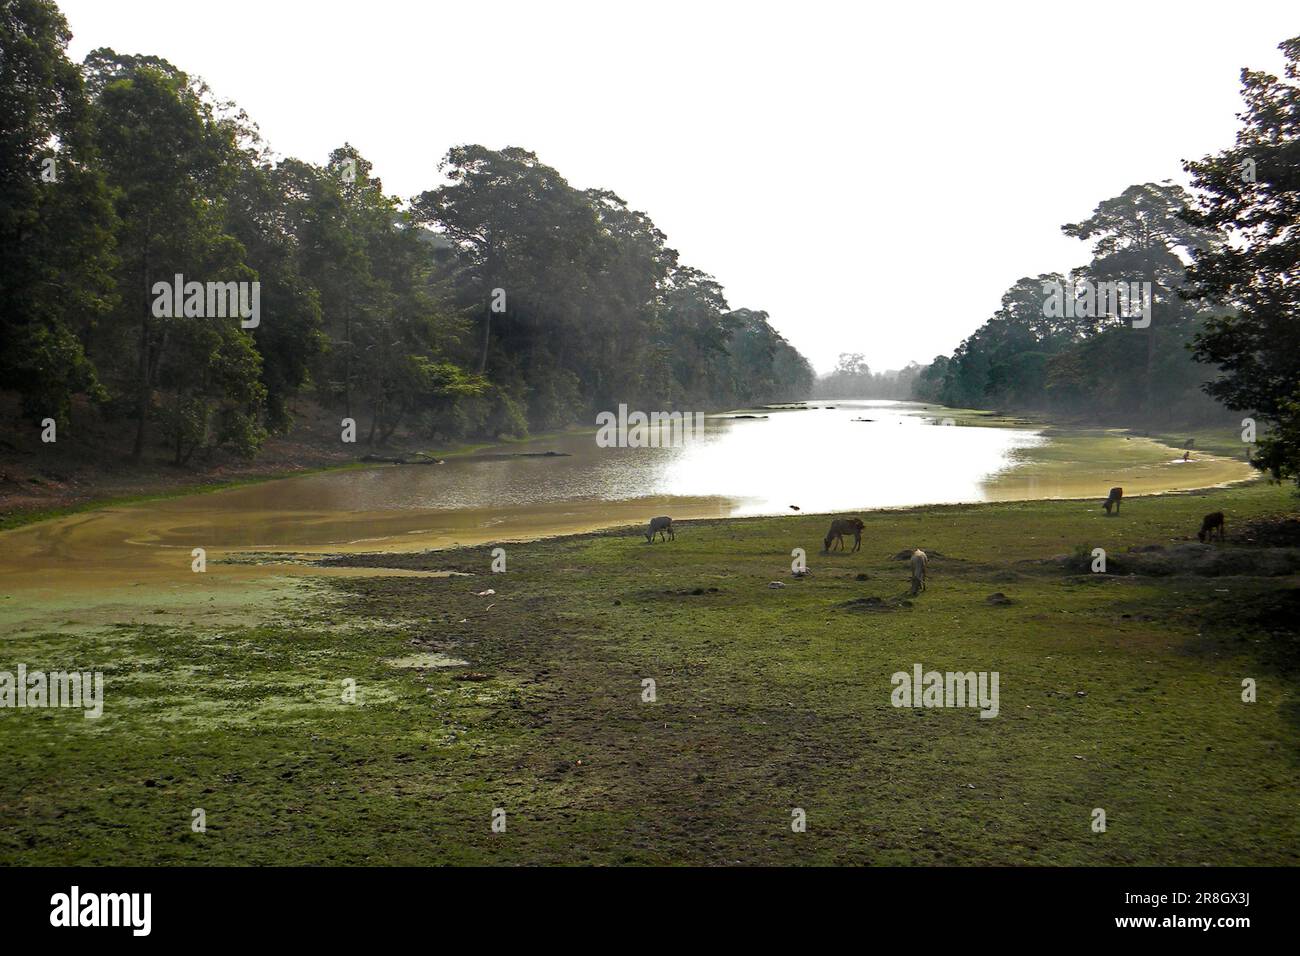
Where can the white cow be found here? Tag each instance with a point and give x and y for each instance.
(919, 562)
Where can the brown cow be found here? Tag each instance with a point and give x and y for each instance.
(1209, 524)
(1116, 496)
(839, 528)
(660, 525)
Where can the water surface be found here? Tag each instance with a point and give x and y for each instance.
(846, 458)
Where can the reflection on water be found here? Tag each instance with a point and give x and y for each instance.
(816, 459)
(819, 459)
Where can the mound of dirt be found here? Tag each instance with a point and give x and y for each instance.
(998, 599)
(1276, 531)
(1206, 560)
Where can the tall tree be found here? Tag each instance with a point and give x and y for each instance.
(1143, 235)
(261, 214)
(55, 216)
(1253, 192)
(171, 162)
(518, 224)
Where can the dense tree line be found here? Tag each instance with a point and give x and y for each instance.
(1224, 269)
(1090, 358)
(852, 378)
(500, 301)
(1251, 193)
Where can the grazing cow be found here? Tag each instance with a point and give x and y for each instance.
(661, 525)
(1116, 496)
(919, 562)
(839, 528)
(1209, 524)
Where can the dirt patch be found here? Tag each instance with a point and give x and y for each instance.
(654, 595)
(427, 661)
(1255, 551)
(1275, 531)
(1205, 560)
(402, 560)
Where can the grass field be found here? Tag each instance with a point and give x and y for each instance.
(1116, 692)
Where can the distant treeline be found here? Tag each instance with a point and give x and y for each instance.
(1097, 350)
(852, 378)
(500, 301)
(1220, 328)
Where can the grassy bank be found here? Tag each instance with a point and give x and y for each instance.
(1116, 692)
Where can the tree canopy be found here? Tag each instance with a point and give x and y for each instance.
(1251, 192)
(497, 301)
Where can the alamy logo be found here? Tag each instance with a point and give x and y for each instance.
(950, 689)
(103, 909)
(77, 690)
(656, 430)
(1087, 300)
(210, 300)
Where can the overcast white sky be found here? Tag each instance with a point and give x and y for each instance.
(873, 176)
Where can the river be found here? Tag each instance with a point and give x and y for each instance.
(827, 457)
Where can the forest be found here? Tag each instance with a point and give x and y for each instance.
(852, 377)
(1223, 265)
(348, 525)
(503, 301)
(499, 301)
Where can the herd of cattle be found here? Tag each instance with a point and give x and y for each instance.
(1209, 524)
(663, 527)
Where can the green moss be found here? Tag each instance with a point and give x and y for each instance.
(1115, 692)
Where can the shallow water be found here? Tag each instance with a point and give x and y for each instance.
(818, 459)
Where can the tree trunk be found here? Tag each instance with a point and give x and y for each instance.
(490, 277)
(347, 364)
(390, 426)
(142, 376)
(1151, 348)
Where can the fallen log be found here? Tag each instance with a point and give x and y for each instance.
(419, 458)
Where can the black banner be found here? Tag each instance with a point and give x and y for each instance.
(1226, 906)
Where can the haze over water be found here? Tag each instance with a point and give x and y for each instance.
(819, 459)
